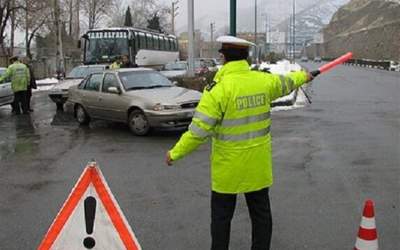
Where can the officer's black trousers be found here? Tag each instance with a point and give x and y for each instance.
(222, 209)
(20, 102)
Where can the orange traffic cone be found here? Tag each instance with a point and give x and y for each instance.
(367, 236)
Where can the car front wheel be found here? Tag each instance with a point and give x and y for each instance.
(138, 123)
(81, 116)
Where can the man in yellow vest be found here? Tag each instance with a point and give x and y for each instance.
(20, 78)
(117, 63)
(235, 112)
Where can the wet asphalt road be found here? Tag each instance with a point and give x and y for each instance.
(328, 158)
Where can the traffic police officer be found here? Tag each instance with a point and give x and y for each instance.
(20, 78)
(235, 112)
(117, 63)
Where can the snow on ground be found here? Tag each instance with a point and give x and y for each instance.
(281, 67)
(45, 84)
(47, 81)
(301, 101)
(284, 67)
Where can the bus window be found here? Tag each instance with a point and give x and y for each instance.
(137, 41)
(167, 44)
(149, 40)
(171, 44)
(176, 45)
(156, 42)
(162, 43)
(143, 44)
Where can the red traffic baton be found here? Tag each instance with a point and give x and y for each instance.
(332, 64)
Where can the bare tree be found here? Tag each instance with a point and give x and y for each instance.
(7, 7)
(71, 9)
(96, 11)
(117, 14)
(32, 18)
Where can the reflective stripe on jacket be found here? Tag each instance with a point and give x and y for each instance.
(235, 113)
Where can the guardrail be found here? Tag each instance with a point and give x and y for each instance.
(367, 63)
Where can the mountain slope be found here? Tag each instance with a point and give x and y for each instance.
(369, 28)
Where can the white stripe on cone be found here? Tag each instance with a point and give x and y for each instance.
(366, 244)
(368, 223)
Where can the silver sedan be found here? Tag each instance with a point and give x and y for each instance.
(143, 98)
(6, 93)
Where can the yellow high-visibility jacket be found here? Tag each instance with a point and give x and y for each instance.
(115, 65)
(235, 112)
(19, 76)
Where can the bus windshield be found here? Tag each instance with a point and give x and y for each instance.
(105, 46)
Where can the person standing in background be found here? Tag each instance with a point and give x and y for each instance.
(32, 83)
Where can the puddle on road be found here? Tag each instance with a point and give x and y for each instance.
(62, 118)
(19, 138)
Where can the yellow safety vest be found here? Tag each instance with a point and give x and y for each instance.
(235, 113)
(19, 76)
(115, 65)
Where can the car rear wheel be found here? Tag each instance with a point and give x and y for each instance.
(138, 123)
(81, 116)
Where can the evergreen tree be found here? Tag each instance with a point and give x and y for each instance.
(154, 23)
(128, 18)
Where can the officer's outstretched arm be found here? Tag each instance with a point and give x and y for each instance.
(6, 75)
(208, 113)
(283, 85)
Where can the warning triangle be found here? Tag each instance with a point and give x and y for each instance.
(90, 218)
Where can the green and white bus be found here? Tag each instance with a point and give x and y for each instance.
(144, 47)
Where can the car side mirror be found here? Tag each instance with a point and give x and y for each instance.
(114, 90)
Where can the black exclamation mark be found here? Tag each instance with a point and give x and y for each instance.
(90, 211)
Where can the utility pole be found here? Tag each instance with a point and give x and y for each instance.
(294, 30)
(255, 22)
(191, 38)
(77, 19)
(289, 42)
(174, 13)
(266, 32)
(212, 29)
(59, 53)
(233, 18)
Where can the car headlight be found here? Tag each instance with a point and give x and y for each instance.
(161, 107)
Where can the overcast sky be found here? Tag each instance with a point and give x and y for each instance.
(207, 11)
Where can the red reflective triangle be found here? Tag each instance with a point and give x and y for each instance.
(91, 175)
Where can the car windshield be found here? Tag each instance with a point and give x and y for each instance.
(143, 80)
(82, 72)
(176, 66)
